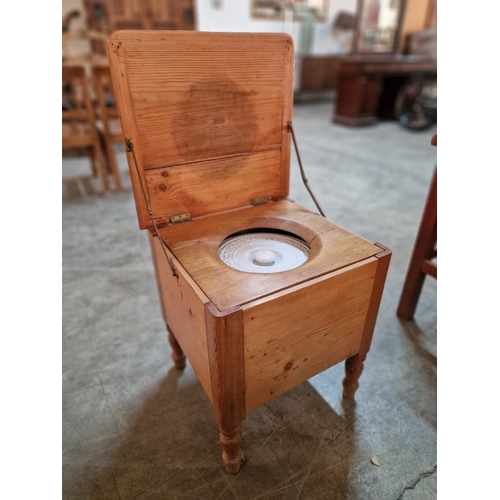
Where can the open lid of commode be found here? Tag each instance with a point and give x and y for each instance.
(207, 114)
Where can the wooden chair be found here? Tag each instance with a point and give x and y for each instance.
(108, 121)
(422, 262)
(105, 16)
(78, 119)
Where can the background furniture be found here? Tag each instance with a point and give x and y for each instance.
(78, 119)
(368, 85)
(422, 261)
(105, 16)
(101, 18)
(316, 72)
(378, 26)
(108, 120)
(370, 78)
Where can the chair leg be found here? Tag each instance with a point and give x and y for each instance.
(177, 354)
(101, 167)
(114, 165)
(424, 248)
(232, 456)
(92, 156)
(353, 369)
(411, 291)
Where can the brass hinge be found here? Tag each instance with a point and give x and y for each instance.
(175, 219)
(261, 200)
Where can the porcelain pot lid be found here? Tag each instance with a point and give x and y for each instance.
(263, 252)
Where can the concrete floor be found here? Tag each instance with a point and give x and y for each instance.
(134, 427)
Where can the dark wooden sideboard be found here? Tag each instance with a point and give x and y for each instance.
(367, 85)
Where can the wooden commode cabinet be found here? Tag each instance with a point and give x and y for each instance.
(207, 118)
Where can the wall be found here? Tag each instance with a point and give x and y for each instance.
(234, 15)
(415, 17)
(75, 47)
(69, 5)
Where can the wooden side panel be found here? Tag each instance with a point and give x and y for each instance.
(203, 188)
(183, 305)
(295, 334)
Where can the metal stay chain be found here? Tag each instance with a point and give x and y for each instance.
(302, 173)
(129, 146)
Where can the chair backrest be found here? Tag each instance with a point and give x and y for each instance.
(107, 16)
(125, 14)
(164, 15)
(76, 102)
(106, 101)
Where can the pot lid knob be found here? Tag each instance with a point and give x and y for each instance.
(264, 258)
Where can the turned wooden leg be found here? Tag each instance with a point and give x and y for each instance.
(232, 455)
(177, 354)
(227, 370)
(353, 370)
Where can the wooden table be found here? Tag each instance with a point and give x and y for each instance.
(368, 85)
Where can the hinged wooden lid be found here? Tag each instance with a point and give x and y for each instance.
(208, 116)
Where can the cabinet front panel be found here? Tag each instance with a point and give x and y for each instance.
(293, 335)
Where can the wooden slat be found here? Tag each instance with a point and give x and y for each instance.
(203, 188)
(295, 334)
(196, 245)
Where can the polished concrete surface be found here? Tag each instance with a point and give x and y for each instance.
(135, 427)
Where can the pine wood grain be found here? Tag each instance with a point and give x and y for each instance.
(295, 334)
(191, 97)
(225, 343)
(202, 188)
